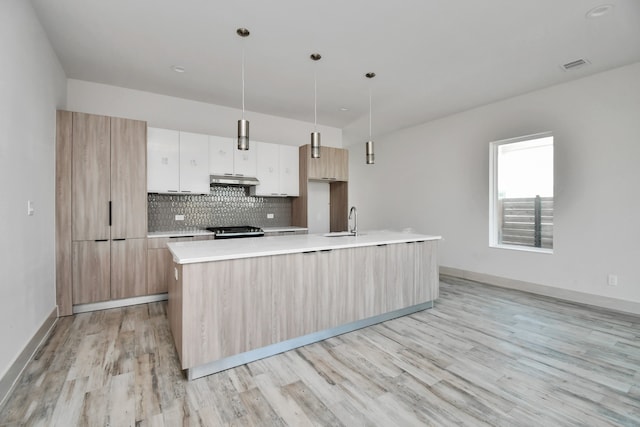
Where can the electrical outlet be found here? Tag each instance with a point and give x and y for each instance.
(179, 217)
(612, 280)
(270, 216)
(30, 208)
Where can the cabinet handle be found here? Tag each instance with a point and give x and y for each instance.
(179, 237)
(118, 240)
(309, 252)
(172, 191)
(101, 240)
(228, 174)
(239, 174)
(109, 213)
(382, 244)
(326, 250)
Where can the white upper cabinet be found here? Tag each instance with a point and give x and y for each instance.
(177, 162)
(163, 160)
(194, 163)
(277, 170)
(289, 174)
(245, 161)
(221, 152)
(226, 159)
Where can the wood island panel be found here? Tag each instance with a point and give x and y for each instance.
(221, 309)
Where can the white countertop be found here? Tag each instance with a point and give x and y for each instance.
(226, 249)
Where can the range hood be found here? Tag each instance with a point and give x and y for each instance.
(238, 180)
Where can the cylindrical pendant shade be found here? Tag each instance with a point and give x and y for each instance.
(315, 145)
(370, 153)
(243, 134)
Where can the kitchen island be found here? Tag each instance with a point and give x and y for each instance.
(239, 300)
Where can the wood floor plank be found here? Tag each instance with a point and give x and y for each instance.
(483, 356)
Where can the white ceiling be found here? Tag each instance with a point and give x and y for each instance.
(432, 58)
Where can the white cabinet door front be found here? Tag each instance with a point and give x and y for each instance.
(289, 177)
(194, 163)
(268, 170)
(221, 152)
(163, 160)
(245, 161)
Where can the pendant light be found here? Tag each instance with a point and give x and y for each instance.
(315, 135)
(369, 145)
(243, 125)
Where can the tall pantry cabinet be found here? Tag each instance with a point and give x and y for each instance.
(101, 209)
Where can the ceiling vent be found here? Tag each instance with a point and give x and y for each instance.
(573, 65)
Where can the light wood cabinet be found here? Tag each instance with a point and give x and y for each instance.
(332, 167)
(101, 199)
(91, 271)
(223, 308)
(277, 171)
(91, 172)
(128, 268)
(128, 179)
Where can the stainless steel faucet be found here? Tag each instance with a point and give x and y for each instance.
(354, 212)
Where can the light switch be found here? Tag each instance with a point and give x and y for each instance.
(270, 216)
(179, 217)
(30, 208)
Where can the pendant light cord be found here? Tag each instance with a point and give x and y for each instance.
(315, 99)
(243, 79)
(369, 113)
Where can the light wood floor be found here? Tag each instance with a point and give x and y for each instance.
(483, 356)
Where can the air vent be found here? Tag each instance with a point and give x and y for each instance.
(578, 63)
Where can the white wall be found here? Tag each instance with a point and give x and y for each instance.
(183, 114)
(435, 178)
(32, 86)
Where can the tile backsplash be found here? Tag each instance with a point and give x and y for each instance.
(223, 206)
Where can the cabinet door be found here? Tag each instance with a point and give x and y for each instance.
(400, 276)
(194, 163)
(128, 268)
(163, 160)
(91, 271)
(159, 268)
(221, 153)
(245, 162)
(289, 176)
(339, 162)
(128, 178)
(268, 171)
(317, 168)
(90, 177)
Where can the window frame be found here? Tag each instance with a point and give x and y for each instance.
(493, 192)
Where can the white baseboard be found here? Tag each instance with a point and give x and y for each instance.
(8, 381)
(550, 291)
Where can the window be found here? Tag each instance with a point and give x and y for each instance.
(521, 191)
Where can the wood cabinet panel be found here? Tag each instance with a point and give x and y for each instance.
(229, 308)
(399, 276)
(159, 269)
(367, 273)
(426, 271)
(64, 253)
(128, 178)
(175, 310)
(290, 289)
(91, 166)
(128, 268)
(91, 271)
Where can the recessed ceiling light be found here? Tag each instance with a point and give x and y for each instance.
(178, 68)
(599, 11)
(344, 109)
